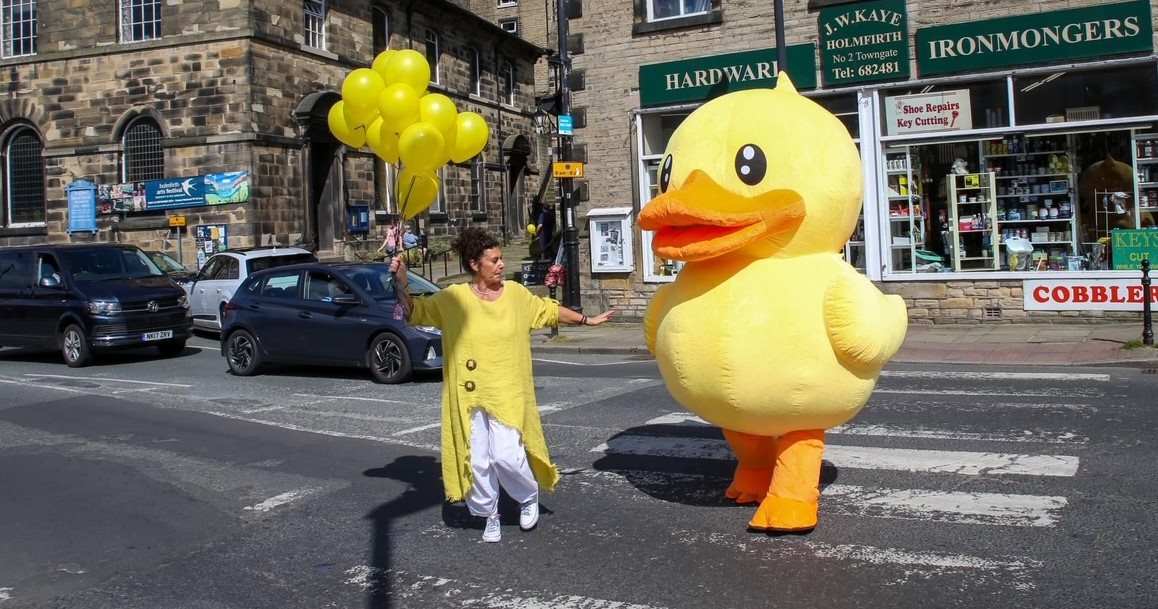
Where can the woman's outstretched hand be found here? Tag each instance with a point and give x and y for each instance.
(601, 318)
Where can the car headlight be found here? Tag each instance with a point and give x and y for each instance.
(429, 330)
(183, 302)
(104, 307)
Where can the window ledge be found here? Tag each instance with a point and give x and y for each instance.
(439, 217)
(319, 52)
(478, 216)
(478, 98)
(651, 27)
(24, 231)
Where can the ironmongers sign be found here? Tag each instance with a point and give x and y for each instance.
(864, 42)
(1082, 33)
(702, 78)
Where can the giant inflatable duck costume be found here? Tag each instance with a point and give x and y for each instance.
(767, 332)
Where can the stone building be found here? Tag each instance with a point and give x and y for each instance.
(1055, 106)
(129, 91)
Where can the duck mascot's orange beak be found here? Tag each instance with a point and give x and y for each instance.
(691, 224)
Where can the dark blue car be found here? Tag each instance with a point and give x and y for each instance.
(328, 314)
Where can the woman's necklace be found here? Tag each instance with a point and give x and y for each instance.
(486, 293)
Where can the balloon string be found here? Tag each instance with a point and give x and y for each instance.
(402, 215)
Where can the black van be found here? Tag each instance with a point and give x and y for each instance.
(81, 298)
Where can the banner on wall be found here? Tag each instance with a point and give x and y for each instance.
(1086, 294)
(938, 111)
(174, 193)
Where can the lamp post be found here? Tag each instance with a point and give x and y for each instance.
(781, 46)
(571, 297)
(1147, 296)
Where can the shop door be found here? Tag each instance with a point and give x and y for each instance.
(326, 192)
(515, 219)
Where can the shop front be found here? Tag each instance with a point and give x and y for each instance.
(1022, 147)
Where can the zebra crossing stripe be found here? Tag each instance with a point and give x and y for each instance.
(852, 429)
(995, 376)
(966, 463)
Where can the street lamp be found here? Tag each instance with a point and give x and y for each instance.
(781, 47)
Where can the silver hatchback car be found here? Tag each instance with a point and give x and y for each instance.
(223, 273)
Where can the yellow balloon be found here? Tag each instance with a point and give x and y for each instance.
(359, 117)
(438, 110)
(380, 62)
(408, 67)
(421, 146)
(362, 87)
(415, 191)
(471, 135)
(387, 144)
(398, 105)
(532, 229)
(354, 138)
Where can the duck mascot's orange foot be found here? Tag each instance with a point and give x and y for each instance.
(767, 332)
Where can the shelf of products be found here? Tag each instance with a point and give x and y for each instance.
(907, 213)
(855, 250)
(972, 209)
(1037, 200)
(1145, 173)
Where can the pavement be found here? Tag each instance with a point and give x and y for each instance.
(1109, 344)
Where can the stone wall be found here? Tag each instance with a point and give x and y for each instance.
(971, 302)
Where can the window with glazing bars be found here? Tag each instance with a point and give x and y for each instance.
(509, 87)
(477, 186)
(140, 20)
(18, 25)
(144, 157)
(316, 24)
(433, 52)
(24, 179)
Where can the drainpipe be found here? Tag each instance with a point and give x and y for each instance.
(506, 169)
(309, 235)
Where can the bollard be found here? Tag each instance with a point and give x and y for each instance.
(1147, 320)
(554, 328)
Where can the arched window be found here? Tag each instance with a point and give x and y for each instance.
(23, 179)
(142, 158)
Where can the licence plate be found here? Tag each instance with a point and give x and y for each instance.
(162, 335)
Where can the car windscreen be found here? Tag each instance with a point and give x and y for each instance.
(271, 262)
(165, 263)
(378, 281)
(108, 263)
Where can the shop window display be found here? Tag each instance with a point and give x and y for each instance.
(846, 108)
(1110, 93)
(988, 103)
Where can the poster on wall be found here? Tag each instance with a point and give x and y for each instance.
(82, 207)
(174, 193)
(937, 111)
(210, 239)
(611, 246)
(121, 198)
(1132, 246)
(228, 187)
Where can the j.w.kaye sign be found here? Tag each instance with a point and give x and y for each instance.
(1081, 33)
(702, 78)
(864, 42)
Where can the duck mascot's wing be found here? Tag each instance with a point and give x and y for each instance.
(866, 327)
(656, 310)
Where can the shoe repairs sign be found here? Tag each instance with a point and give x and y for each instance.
(937, 111)
(1086, 294)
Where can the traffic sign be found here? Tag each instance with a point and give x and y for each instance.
(566, 126)
(567, 169)
(177, 221)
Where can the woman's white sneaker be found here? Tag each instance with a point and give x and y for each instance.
(493, 532)
(529, 515)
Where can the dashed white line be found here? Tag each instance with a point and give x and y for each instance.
(1024, 393)
(326, 432)
(405, 432)
(53, 387)
(587, 364)
(105, 379)
(5, 594)
(995, 376)
(350, 397)
(279, 500)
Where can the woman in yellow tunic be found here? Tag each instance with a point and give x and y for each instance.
(491, 433)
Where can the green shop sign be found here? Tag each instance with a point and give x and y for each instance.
(702, 78)
(864, 42)
(1082, 33)
(1131, 247)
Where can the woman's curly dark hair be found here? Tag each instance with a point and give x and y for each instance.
(470, 245)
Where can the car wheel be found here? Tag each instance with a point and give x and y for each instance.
(388, 359)
(242, 353)
(74, 347)
(172, 348)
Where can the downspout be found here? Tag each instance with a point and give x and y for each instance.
(504, 166)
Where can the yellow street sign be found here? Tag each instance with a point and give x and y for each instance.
(176, 221)
(568, 169)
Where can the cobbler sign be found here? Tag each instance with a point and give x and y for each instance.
(1087, 295)
(940, 111)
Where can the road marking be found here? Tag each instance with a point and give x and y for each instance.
(1026, 393)
(470, 594)
(416, 429)
(101, 378)
(53, 387)
(325, 432)
(953, 507)
(283, 499)
(6, 594)
(996, 376)
(588, 364)
(262, 409)
(860, 457)
(599, 395)
(505, 600)
(852, 429)
(143, 389)
(205, 347)
(350, 397)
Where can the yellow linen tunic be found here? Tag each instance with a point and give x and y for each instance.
(486, 358)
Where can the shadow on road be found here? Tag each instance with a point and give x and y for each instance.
(100, 358)
(688, 481)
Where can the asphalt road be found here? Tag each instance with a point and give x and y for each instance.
(155, 484)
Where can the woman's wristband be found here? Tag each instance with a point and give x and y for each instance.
(583, 322)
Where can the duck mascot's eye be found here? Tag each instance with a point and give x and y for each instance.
(751, 164)
(665, 174)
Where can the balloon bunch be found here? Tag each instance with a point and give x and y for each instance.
(388, 108)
